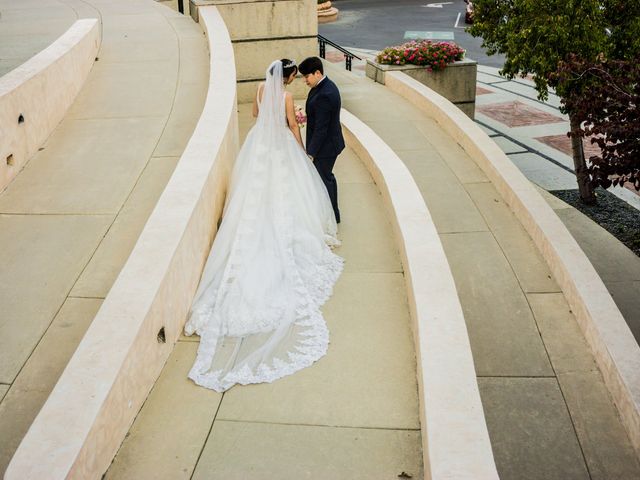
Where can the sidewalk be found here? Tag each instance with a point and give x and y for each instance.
(26, 29)
(548, 411)
(533, 135)
(70, 219)
(354, 414)
(531, 132)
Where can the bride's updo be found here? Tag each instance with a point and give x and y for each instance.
(288, 67)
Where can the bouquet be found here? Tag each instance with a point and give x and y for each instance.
(301, 117)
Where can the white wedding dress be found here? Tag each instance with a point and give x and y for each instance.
(271, 268)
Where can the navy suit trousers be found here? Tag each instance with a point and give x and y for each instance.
(325, 169)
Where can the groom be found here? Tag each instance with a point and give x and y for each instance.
(324, 135)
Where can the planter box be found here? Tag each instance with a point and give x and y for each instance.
(457, 82)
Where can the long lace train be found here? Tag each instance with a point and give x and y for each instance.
(271, 268)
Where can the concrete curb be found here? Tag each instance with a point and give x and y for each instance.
(94, 403)
(30, 108)
(457, 82)
(613, 345)
(455, 440)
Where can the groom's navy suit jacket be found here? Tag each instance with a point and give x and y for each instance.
(324, 135)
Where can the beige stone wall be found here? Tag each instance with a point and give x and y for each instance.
(83, 422)
(264, 30)
(457, 82)
(40, 91)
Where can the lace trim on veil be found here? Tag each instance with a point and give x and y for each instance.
(309, 350)
(310, 333)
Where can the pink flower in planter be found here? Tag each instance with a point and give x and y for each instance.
(421, 52)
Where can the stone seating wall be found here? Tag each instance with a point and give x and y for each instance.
(35, 96)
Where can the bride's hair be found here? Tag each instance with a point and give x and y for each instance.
(288, 67)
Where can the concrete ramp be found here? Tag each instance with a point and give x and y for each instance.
(354, 414)
(548, 409)
(70, 219)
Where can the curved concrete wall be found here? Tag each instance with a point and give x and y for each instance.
(455, 440)
(602, 324)
(85, 419)
(35, 96)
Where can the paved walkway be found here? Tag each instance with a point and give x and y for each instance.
(548, 411)
(29, 26)
(531, 132)
(352, 415)
(533, 135)
(70, 219)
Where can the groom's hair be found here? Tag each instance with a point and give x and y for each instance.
(310, 65)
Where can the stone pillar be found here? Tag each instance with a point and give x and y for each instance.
(264, 30)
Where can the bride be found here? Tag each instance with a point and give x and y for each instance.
(271, 268)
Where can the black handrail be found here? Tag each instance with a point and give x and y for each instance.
(348, 56)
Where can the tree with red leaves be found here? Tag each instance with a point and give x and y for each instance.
(608, 107)
(588, 51)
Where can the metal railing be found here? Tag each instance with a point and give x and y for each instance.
(348, 56)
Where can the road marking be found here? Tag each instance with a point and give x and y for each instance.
(437, 5)
(412, 35)
(457, 20)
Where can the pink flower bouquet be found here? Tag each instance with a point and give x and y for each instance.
(301, 117)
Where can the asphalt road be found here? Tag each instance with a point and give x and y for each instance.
(375, 24)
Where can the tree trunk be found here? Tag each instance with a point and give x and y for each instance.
(580, 165)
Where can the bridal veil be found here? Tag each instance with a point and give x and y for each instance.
(271, 268)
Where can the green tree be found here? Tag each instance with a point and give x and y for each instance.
(539, 36)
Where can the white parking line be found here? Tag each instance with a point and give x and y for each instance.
(437, 5)
(457, 20)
